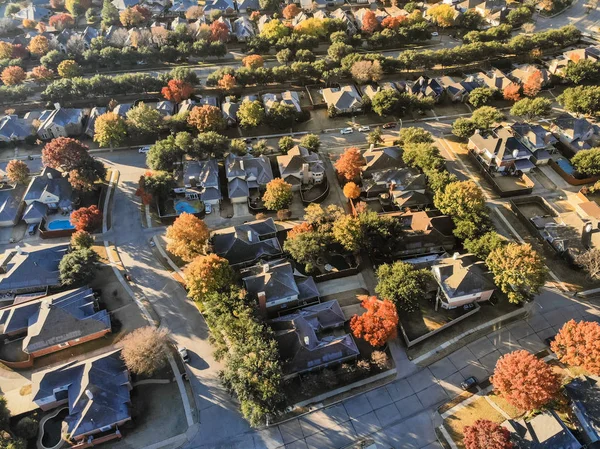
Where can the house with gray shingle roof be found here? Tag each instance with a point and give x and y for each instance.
(14, 129)
(32, 12)
(277, 286)
(225, 6)
(538, 139)
(50, 191)
(246, 174)
(201, 180)
(122, 5)
(501, 151)
(544, 431)
(61, 122)
(94, 114)
(245, 6)
(246, 244)
(577, 133)
(11, 205)
(584, 393)
(307, 341)
(24, 270)
(344, 99)
(299, 167)
(56, 322)
(96, 391)
(230, 109)
(462, 279)
(243, 29)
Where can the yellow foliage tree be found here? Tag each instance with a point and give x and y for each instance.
(187, 237)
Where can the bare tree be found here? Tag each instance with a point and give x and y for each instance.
(141, 38)
(145, 350)
(119, 37)
(76, 45)
(159, 35)
(590, 261)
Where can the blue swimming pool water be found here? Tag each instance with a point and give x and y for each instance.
(191, 207)
(565, 165)
(58, 225)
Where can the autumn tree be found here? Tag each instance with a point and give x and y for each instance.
(393, 22)
(578, 344)
(442, 15)
(87, 218)
(402, 284)
(131, 17)
(291, 11)
(208, 274)
(512, 92)
(348, 166)
(278, 195)
(254, 61)
(77, 7)
(518, 270)
(64, 153)
(6, 49)
(61, 21)
(82, 239)
(348, 232)
(525, 381)
(370, 24)
(145, 350)
(533, 84)
(227, 82)
(351, 191)
(590, 262)
(378, 324)
(41, 74)
(110, 130)
(187, 237)
(250, 114)
(207, 118)
(486, 434)
(366, 71)
(17, 171)
(68, 69)
(13, 75)
(219, 31)
(177, 90)
(38, 45)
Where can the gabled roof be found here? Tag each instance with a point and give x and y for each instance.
(203, 176)
(62, 117)
(248, 242)
(230, 109)
(221, 5)
(382, 159)
(537, 135)
(248, 4)
(544, 431)
(462, 275)
(14, 128)
(344, 97)
(32, 12)
(94, 114)
(10, 202)
(584, 393)
(97, 391)
(294, 160)
(35, 211)
(243, 27)
(573, 127)
(426, 87)
(501, 144)
(51, 181)
(254, 170)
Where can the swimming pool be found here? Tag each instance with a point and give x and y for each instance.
(59, 225)
(189, 206)
(565, 165)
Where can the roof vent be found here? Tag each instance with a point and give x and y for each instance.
(89, 394)
(306, 340)
(515, 153)
(249, 235)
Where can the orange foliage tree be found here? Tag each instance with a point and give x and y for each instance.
(393, 23)
(13, 75)
(349, 164)
(141, 191)
(578, 344)
(38, 45)
(299, 229)
(254, 61)
(525, 381)
(486, 434)
(206, 275)
(351, 191)
(177, 91)
(378, 324)
(369, 22)
(533, 84)
(512, 92)
(291, 11)
(227, 82)
(87, 218)
(29, 24)
(61, 21)
(207, 118)
(187, 237)
(219, 31)
(6, 50)
(42, 74)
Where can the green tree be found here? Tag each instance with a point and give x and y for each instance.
(159, 184)
(4, 414)
(425, 156)
(210, 144)
(110, 130)
(311, 142)
(518, 16)
(282, 115)
(307, 247)
(480, 96)
(581, 100)
(375, 137)
(413, 134)
(110, 14)
(439, 179)
(471, 19)
(144, 120)
(486, 116)
(237, 146)
(27, 428)
(250, 114)
(82, 239)
(482, 246)
(347, 231)
(286, 143)
(278, 195)
(164, 154)
(465, 203)
(582, 70)
(78, 267)
(463, 128)
(77, 7)
(587, 162)
(518, 270)
(531, 108)
(402, 284)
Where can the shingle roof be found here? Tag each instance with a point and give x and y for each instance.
(461, 276)
(10, 202)
(52, 181)
(248, 242)
(544, 431)
(14, 128)
(204, 174)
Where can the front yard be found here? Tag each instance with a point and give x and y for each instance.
(466, 416)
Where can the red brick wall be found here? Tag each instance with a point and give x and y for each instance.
(55, 348)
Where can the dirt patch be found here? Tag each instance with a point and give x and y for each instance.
(426, 319)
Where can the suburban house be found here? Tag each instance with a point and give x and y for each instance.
(457, 89)
(246, 176)
(94, 114)
(537, 139)
(225, 6)
(201, 181)
(122, 109)
(562, 232)
(494, 79)
(344, 99)
(494, 11)
(500, 151)
(577, 133)
(246, 244)
(558, 65)
(246, 6)
(359, 15)
(462, 279)
(288, 97)
(425, 233)
(11, 205)
(307, 341)
(523, 73)
(299, 167)
(243, 29)
(32, 12)
(48, 192)
(425, 87)
(15, 129)
(49, 324)
(230, 109)
(186, 105)
(165, 108)
(379, 159)
(544, 431)
(344, 16)
(122, 5)
(592, 52)
(584, 394)
(24, 271)
(277, 286)
(96, 391)
(60, 122)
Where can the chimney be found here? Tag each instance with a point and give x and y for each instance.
(306, 340)
(19, 250)
(5, 261)
(515, 153)
(265, 267)
(305, 173)
(89, 394)
(455, 256)
(249, 235)
(242, 164)
(57, 106)
(49, 174)
(193, 181)
(262, 303)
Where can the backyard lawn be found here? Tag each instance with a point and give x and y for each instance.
(478, 409)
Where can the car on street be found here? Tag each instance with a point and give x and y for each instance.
(364, 129)
(184, 354)
(389, 125)
(435, 33)
(144, 150)
(207, 208)
(346, 131)
(468, 383)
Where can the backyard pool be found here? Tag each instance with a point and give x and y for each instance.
(565, 165)
(189, 206)
(59, 225)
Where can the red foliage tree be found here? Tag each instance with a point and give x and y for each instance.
(64, 153)
(61, 21)
(512, 92)
(533, 84)
(227, 82)
(378, 324)
(299, 229)
(485, 434)
(13, 75)
(524, 380)
(349, 164)
(369, 22)
(19, 52)
(145, 196)
(86, 218)
(393, 23)
(291, 11)
(219, 31)
(145, 12)
(177, 91)
(41, 74)
(578, 344)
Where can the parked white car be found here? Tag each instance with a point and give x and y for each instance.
(346, 131)
(144, 150)
(364, 129)
(207, 208)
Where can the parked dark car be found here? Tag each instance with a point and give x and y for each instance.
(389, 125)
(32, 228)
(468, 383)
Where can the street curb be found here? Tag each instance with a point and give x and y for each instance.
(158, 245)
